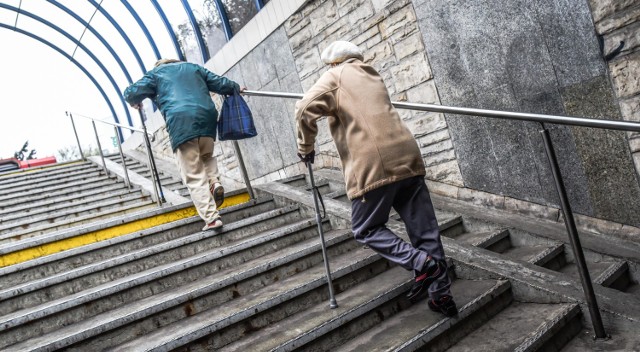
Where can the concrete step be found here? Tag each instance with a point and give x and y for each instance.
(268, 225)
(520, 245)
(151, 313)
(71, 212)
(50, 178)
(46, 171)
(54, 190)
(525, 327)
(373, 316)
(73, 198)
(20, 234)
(285, 292)
(53, 265)
(48, 210)
(136, 287)
(51, 183)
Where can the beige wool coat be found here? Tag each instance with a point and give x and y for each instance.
(375, 146)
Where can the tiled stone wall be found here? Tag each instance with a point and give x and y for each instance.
(388, 34)
(618, 21)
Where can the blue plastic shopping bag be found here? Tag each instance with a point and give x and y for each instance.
(236, 121)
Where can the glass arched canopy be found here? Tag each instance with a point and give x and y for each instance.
(114, 42)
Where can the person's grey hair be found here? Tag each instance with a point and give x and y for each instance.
(340, 51)
(165, 61)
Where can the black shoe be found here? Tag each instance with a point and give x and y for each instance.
(444, 305)
(431, 271)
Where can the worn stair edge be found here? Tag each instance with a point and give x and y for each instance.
(48, 184)
(74, 222)
(492, 239)
(39, 250)
(87, 187)
(399, 283)
(70, 212)
(41, 193)
(547, 255)
(73, 200)
(168, 299)
(27, 315)
(201, 325)
(48, 174)
(41, 169)
(552, 326)
(465, 312)
(57, 178)
(612, 274)
(143, 252)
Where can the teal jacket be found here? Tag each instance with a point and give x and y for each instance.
(181, 91)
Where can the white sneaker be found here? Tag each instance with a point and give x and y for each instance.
(215, 224)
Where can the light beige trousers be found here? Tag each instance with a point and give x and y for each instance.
(199, 169)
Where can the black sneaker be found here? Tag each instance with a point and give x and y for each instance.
(431, 271)
(444, 305)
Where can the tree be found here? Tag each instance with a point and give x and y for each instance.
(20, 154)
(71, 152)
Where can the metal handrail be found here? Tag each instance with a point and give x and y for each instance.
(553, 163)
(509, 115)
(157, 187)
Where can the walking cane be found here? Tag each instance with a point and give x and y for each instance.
(332, 299)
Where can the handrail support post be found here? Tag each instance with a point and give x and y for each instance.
(75, 131)
(104, 164)
(152, 163)
(124, 164)
(243, 170)
(572, 230)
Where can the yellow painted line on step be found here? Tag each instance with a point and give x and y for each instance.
(108, 233)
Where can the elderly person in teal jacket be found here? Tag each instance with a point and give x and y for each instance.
(181, 91)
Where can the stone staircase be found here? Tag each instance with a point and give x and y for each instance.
(168, 182)
(258, 284)
(36, 202)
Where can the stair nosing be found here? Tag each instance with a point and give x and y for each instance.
(171, 298)
(139, 253)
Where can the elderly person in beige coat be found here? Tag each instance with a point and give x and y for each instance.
(382, 167)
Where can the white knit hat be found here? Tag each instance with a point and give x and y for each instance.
(340, 51)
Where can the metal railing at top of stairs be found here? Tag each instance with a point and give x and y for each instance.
(570, 225)
(157, 186)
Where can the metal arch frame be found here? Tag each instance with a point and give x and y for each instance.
(56, 48)
(95, 59)
(167, 25)
(122, 33)
(98, 35)
(133, 13)
(228, 33)
(196, 30)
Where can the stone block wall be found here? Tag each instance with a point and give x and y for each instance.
(388, 34)
(617, 22)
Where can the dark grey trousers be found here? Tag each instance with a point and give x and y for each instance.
(410, 198)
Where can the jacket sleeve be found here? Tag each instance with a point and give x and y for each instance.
(144, 88)
(319, 101)
(219, 84)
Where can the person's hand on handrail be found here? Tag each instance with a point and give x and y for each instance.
(137, 106)
(242, 90)
(307, 158)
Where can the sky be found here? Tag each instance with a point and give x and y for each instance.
(39, 85)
